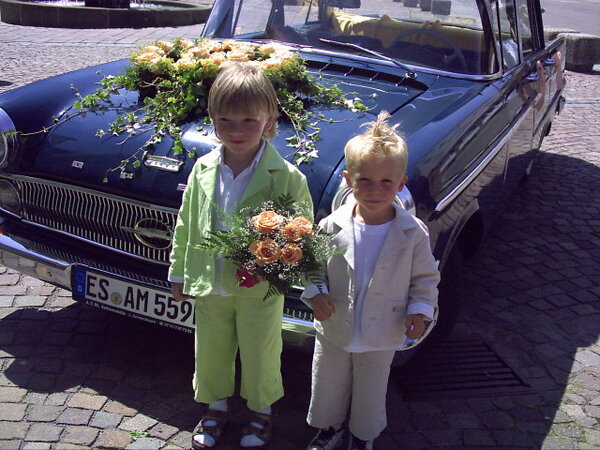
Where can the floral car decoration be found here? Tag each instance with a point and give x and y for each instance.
(174, 78)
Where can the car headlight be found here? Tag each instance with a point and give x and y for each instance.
(8, 137)
(10, 199)
(344, 194)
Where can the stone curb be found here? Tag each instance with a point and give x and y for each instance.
(583, 50)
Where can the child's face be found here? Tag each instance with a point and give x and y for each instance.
(374, 184)
(241, 132)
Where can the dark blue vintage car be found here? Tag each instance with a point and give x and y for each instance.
(472, 84)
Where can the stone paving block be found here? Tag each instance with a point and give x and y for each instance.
(13, 430)
(44, 432)
(119, 408)
(592, 438)
(41, 382)
(80, 435)
(146, 443)
(43, 413)
(37, 446)
(497, 420)
(105, 420)
(463, 421)
(516, 439)
(57, 399)
(75, 416)
(478, 439)
(139, 422)
(113, 439)
(9, 279)
(162, 431)
(12, 411)
(9, 445)
(30, 301)
(87, 401)
(11, 394)
(14, 290)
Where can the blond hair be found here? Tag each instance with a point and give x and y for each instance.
(243, 87)
(379, 141)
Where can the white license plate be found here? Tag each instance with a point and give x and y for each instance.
(131, 299)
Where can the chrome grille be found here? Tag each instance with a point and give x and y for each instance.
(91, 216)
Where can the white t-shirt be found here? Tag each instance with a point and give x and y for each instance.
(368, 241)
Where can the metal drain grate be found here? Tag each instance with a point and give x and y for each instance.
(460, 367)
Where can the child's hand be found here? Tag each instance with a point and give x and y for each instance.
(177, 291)
(415, 326)
(323, 306)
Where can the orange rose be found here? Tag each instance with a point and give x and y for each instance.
(267, 221)
(292, 233)
(290, 254)
(304, 224)
(266, 252)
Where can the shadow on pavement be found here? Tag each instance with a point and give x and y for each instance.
(531, 295)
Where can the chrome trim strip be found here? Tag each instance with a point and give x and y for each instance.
(462, 185)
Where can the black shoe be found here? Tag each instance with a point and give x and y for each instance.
(326, 439)
(356, 444)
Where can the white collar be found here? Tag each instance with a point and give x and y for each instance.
(254, 162)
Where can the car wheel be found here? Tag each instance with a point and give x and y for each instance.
(449, 299)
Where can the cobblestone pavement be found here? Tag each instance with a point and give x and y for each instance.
(76, 377)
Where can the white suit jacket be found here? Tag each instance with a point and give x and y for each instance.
(404, 280)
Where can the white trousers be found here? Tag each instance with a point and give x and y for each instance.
(354, 382)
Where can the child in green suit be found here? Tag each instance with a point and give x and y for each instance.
(243, 172)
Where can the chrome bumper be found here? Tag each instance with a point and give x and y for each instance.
(297, 332)
(18, 257)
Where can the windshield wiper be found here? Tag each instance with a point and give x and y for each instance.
(409, 72)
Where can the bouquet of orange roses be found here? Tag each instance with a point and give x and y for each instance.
(276, 242)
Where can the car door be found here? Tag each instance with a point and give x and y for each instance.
(520, 86)
(550, 63)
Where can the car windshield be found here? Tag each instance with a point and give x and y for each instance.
(446, 35)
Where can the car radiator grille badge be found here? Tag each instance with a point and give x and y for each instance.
(152, 233)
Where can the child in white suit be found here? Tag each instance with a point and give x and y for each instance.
(380, 288)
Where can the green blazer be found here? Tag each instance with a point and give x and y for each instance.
(273, 177)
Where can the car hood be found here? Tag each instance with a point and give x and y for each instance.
(71, 152)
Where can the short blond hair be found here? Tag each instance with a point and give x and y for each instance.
(379, 141)
(243, 87)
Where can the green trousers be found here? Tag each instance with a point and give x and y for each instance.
(252, 325)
